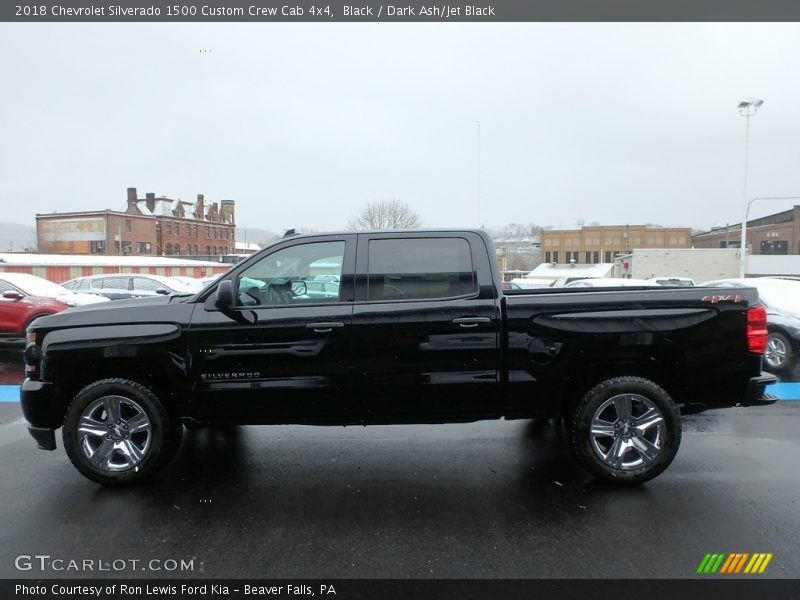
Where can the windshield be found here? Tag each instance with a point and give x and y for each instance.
(779, 295)
(36, 286)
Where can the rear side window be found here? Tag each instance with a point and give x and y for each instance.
(421, 268)
(115, 283)
(145, 284)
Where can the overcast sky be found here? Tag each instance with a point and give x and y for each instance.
(301, 124)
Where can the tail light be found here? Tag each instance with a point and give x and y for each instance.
(757, 329)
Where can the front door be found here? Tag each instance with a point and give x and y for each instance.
(282, 352)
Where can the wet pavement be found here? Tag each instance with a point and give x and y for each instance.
(500, 499)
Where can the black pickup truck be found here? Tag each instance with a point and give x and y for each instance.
(390, 327)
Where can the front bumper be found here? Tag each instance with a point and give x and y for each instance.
(755, 396)
(43, 410)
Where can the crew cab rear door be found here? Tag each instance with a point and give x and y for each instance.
(426, 326)
(281, 353)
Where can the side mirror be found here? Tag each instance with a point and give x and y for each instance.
(299, 288)
(163, 291)
(224, 295)
(12, 295)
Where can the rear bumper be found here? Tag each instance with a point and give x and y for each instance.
(43, 411)
(754, 396)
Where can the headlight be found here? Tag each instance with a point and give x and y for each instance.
(30, 337)
(70, 303)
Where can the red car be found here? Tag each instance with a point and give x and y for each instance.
(18, 309)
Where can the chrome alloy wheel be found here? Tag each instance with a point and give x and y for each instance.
(775, 354)
(114, 433)
(627, 431)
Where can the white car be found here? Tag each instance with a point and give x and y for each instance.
(611, 282)
(118, 286)
(192, 283)
(673, 281)
(38, 286)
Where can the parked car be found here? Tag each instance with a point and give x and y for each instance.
(419, 332)
(25, 297)
(605, 282)
(192, 283)
(118, 286)
(673, 281)
(782, 299)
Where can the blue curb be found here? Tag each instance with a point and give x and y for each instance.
(9, 393)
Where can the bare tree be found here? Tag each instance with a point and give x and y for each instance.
(386, 214)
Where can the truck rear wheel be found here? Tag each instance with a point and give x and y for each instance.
(626, 430)
(117, 431)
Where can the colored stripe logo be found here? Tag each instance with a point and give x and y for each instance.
(735, 563)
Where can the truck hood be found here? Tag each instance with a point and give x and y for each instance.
(136, 310)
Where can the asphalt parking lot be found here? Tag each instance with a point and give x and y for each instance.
(486, 500)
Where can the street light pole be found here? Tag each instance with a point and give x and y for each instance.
(747, 108)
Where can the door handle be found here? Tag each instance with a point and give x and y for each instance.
(469, 322)
(325, 326)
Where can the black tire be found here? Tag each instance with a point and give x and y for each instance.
(779, 354)
(157, 443)
(648, 443)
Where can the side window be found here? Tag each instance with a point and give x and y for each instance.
(145, 284)
(115, 283)
(421, 268)
(6, 287)
(70, 285)
(301, 274)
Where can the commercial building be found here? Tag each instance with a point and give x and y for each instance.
(774, 234)
(155, 226)
(700, 264)
(595, 244)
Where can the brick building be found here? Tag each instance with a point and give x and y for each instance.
(97, 232)
(156, 226)
(778, 233)
(594, 244)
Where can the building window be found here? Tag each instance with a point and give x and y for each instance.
(169, 227)
(547, 256)
(98, 247)
(609, 256)
(177, 228)
(196, 249)
(143, 247)
(596, 257)
(588, 257)
(208, 250)
(127, 225)
(555, 256)
(168, 250)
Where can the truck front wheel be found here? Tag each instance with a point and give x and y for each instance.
(118, 431)
(626, 430)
